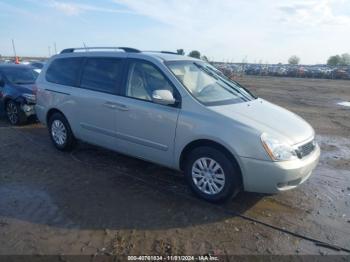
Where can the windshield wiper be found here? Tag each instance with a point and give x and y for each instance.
(219, 78)
(230, 82)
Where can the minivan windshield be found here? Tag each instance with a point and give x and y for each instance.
(207, 84)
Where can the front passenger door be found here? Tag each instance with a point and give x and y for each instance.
(146, 129)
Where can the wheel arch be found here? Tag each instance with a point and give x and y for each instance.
(209, 143)
(51, 112)
(6, 99)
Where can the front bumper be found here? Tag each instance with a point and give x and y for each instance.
(272, 177)
(28, 109)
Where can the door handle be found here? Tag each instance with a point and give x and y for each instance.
(118, 106)
(121, 107)
(110, 105)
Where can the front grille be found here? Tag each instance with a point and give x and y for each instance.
(306, 149)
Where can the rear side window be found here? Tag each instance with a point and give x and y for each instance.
(64, 71)
(101, 74)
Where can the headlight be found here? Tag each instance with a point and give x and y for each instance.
(30, 98)
(277, 150)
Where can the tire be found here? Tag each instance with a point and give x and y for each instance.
(225, 174)
(14, 113)
(60, 132)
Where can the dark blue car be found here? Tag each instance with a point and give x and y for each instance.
(17, 92)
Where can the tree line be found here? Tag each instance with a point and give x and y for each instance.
(193, 53)
(335, 60)
(339, 60)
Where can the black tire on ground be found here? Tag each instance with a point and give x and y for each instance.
(14, 113)
(230, 169)
(70, 140)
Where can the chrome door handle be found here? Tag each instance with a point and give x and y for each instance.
(118, 106)
(121, 107)
(110, 105)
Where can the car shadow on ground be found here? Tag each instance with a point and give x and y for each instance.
(94, 188)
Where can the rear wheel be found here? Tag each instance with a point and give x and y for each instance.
(14, 113)
(212, 175)
(60, 132)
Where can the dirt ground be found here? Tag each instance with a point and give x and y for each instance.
(94, 201)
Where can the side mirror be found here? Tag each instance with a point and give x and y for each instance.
(163, 97)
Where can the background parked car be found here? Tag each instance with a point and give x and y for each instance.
(37, 65)
(17, 92)
(301, 71)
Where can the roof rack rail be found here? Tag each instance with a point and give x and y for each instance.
(163, 52)
(125, 49)
(169, 52)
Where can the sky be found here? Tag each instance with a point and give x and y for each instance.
(267, 31)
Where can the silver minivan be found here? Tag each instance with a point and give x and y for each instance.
(178, 112)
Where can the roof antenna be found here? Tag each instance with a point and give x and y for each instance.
(85, 47)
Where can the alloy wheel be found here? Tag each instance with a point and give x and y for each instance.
(12, 112)
(208, 175)
(58, 132)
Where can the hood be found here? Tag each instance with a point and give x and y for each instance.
(268, 118)
(24, 88)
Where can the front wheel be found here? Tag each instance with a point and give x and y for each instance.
(14, 113)
(60, 132)
(212, 175)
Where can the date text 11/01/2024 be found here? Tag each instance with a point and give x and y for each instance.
(173, 258)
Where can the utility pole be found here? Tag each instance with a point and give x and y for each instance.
(14, 48)
(54, 44)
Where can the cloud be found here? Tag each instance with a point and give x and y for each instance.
(197, 13)
(314, 13)
(67, 8)
(74, 9)
(15, 9)
(267, 30)
(204, 20)
(210, 26)
(262, 29)
(171, 12)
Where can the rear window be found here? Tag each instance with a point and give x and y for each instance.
(64, 71)
(101, 74)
